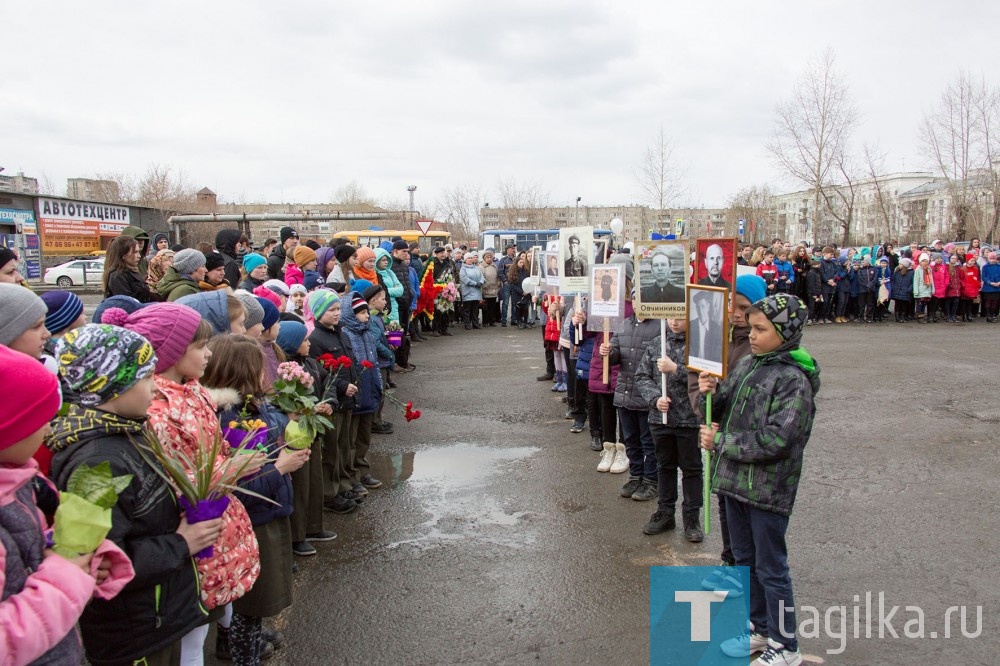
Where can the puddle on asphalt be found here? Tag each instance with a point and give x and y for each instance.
(452, 484)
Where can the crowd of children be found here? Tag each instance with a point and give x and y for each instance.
(161, 382)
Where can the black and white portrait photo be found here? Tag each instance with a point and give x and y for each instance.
(707, 328)
(662, 270)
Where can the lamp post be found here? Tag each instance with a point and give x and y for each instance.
(576, 214)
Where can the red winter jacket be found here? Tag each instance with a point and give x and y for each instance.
(970, 281)
(954, 289)
(939, 273)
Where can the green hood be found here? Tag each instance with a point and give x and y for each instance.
(171, 280)
(81, 424)
(142, 236)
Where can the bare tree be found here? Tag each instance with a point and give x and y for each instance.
(752, 204)
(960, 137)
(882, 205)
(812, 129)
(658, 176)
(840, 199)
(459, 207)
(353, 193)
(161, 187)
(520, 203)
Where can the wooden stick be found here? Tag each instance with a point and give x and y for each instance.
(579, 327)
(605, 378)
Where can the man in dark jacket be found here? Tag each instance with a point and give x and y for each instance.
(401, 268)
(227, 242)
(442, 273)
(503, 266)
(288, 240)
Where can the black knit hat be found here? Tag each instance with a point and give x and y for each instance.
(400, 245)
(286, 233)
(344, 252)
(214, 260)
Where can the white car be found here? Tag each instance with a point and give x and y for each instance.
(72, 273)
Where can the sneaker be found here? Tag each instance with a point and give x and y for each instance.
(646, 491)
(351, 495)
(631, 486)
(303, 549)
(369, 481)
(322, 535)
(714, 579)
(730, 585)
(692, 530)
(381, 429)
(744, 645)
(777, 654)
(560, 387)
(568, 416)
(266, 650)
(595, 443)
(577, 427)
(340, 504)
(661, 521)
(620, 463)
(607, 457)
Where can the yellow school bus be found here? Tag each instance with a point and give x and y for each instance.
(363, 237)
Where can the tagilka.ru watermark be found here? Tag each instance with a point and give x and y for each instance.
(873, 617)
(688, 622)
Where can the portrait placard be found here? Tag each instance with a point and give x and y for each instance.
(607, 287)
(661, 270)
(707, 348)
(576, 247)
(715, 262)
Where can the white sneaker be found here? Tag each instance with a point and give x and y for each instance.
(777, 654)
(607, 457)
(620, 463)
(744, 645)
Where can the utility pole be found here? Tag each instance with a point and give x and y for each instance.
(411, 189)
(576, 214)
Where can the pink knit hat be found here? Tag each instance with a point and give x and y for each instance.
(264, 292)
(32, 399)
(169, 327)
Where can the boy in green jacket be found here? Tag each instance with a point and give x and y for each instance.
(766, 408)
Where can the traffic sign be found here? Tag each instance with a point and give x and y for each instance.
(424, 226)
(743, 224)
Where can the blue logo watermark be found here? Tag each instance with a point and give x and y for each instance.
(693, 610)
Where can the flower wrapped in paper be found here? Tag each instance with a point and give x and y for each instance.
(83, 518)
(294, 395)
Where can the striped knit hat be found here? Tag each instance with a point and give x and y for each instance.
(64, 308)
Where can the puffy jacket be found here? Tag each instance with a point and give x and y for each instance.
(268, 482)
(814, 281)
(162, 603)
(785, 270)
(765, 410)
(334, 341)
(472, 281)
(681, 413)
(739, 348)
(990, 273)
(596, 382)
(41, 598)
(402, 273)
(954, 288)
(921, 290)
(225, 243)
(174, 285)
(970, 281)
(376, 328)
(828, 270)
(769, 272)
(627, 348)
(393, 287)
(414, 287)
(294, 275)
(182, 416)
(902, 286)
(941, 279)
(363, 348)
(491, 280)
(866, 280)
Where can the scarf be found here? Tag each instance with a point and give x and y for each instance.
(927, 277)
(362, 273)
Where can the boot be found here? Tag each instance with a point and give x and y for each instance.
(620, 463)
(558, 381)
(222, 651)
(607, 457)
(595, 443)
(692, 529)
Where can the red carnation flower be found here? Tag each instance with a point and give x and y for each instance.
(345, 362)
(366, 364)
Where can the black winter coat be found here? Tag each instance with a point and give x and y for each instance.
(162, 603)
(325, 340)
(627, 347)
(129, 283)
(276, 263)
(225, 243)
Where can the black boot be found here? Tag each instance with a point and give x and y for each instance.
(595, 443)
(222, 651)
(692, 530)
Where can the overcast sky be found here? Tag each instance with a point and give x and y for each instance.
(268, 101)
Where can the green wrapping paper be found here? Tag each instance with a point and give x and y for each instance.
(83, 518)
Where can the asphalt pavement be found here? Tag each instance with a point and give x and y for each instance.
(494, 540)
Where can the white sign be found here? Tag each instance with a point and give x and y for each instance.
(424, 226)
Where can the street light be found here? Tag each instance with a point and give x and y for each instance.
(576, 215)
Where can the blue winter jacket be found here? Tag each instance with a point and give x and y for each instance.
(268, 482)
(368, 381)
(990, 273)
(415, 283)
(902, 286)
